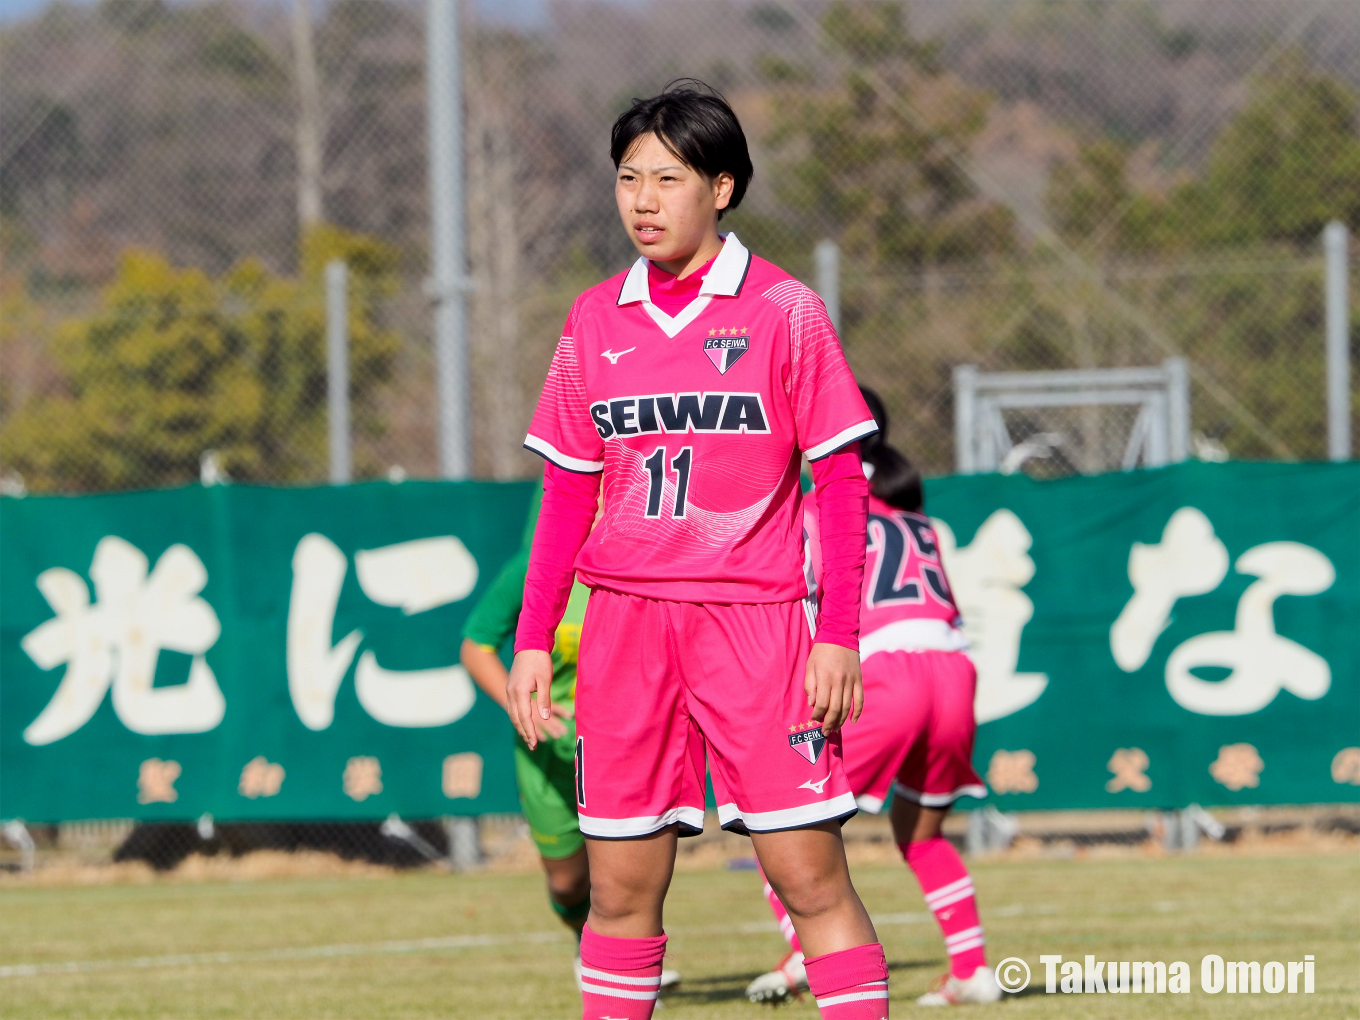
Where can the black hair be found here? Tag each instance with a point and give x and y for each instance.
(695, 123)
(895, 480)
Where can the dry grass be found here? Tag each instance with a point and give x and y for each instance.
(424, 945)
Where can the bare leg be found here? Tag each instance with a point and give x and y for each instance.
(569, 887)
(948, 891)
(807, 869)
(912, 823)
(628, 883)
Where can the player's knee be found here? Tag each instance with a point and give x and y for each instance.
(569, 888)
(815, 893)
(615, 898)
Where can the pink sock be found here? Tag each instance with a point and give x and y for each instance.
(948, 890)
(781, 915)
(851, 984)
(620, 978)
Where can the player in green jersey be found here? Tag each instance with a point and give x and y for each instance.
(546, 775)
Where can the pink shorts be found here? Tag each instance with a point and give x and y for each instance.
(659, 684)
(916, 734)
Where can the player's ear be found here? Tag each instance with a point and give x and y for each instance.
(722, 190)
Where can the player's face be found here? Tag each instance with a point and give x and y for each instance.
(669, 210)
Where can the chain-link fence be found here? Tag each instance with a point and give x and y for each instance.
(1014, 185)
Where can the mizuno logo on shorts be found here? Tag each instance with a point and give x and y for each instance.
(679, 412)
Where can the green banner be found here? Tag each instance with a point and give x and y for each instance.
(1160, 638)
(1143, 640)
(250, 652)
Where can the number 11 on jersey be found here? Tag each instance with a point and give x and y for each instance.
(656, 470)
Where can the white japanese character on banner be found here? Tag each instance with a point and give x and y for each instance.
(1191, 560)
(987, 576)
(411, 576)
(1262, 662)
(117, 641)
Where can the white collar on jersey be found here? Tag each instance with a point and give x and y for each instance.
(723, 280)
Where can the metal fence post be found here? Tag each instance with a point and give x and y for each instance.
(1155, 453)
(1336, 243)
(465, 841)
(337, 369)
(1178, 409)
(828, 258)
(965, 386)
(448, 284)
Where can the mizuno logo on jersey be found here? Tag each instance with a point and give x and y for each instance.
(724, 351)
(679, 412)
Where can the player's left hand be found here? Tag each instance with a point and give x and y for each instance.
(834, 686)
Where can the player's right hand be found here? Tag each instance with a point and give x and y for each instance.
(529, 692)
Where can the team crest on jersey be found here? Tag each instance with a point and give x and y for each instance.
(808, 740)
(725, 346)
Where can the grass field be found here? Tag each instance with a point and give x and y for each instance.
(438, 945)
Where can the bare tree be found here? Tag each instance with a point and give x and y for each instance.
(308, 118)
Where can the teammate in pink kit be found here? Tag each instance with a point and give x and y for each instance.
(916, 735)
(690, 388)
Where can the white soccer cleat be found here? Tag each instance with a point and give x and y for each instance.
(951, 991)
(784, 982)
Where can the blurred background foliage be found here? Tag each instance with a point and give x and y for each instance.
(1018, 185)
(172, 362)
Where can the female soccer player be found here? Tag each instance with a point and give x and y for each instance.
(916, 736)
(691, 386)
(545, 775)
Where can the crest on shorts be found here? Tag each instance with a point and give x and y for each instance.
(808, 740)
(725, 346)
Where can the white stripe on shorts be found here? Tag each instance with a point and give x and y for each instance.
(938, 799)
(643, 825)
(873, 805)
(786, 818)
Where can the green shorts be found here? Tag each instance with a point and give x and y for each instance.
(547, 794)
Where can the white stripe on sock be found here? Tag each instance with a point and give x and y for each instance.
(976, 943)
(949, 888)
(954, 897)
(620, 979)
(617, 993)
(960, 936)
(836, 1000)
